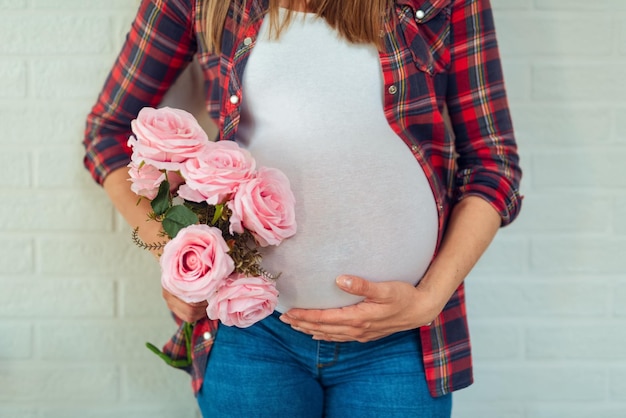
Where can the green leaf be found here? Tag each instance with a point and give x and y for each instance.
(218, 213)
(177, 218)
(161, 203)
(179, 364)
(187, 329)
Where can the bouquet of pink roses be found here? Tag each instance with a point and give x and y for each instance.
(216, 207)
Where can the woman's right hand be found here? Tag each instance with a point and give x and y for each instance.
(188, 312)
(117, 187)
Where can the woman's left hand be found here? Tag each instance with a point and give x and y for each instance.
(388, 307)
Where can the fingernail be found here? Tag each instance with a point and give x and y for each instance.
(284, 319)
(344, 281)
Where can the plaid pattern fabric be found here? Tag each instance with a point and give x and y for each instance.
(437, 54)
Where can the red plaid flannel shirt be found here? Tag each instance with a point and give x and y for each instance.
(437, 54)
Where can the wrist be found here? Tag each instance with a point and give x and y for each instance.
(436, 293)
(151, 237)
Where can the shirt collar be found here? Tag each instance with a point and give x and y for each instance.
(429, 7)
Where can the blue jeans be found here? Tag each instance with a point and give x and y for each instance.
(270, 370)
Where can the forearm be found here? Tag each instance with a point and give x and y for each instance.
(132, 209)
(471, 228)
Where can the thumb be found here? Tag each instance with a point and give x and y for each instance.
(356, 285)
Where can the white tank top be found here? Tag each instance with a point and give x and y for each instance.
(312, 107)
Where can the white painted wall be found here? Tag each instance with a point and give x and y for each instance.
(547, 304)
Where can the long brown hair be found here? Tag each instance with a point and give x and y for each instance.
(359, 21)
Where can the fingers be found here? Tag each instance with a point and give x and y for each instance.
(188, 312)
(343, 324)
(359, 286)
(339, 333)
(354, 285)
(388, 307)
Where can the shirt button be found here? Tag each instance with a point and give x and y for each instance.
(207, 335)
(420, 14)
(392, 90)
(414, 148)
(247, 41)
(234, 99)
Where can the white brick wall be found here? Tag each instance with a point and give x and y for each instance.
(77, 301)
(547, 304)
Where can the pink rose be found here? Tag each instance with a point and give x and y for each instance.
(242, 301)
(195, 262)
(215, 174)
(145, 179)
(166, 137)
(175, 180)
(265, 206)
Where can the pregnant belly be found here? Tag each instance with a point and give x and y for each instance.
(377, 224)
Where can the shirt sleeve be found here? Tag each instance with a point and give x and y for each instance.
(160, 44)
(488, 162)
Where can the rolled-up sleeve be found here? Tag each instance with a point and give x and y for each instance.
(488, 162)
(160, 44)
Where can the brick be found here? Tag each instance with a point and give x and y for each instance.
(109, 340)
(87, 5)
(156, 384)
(580, 169)
(622, 34)
(525, 34)
(506, 254)
(17, 256)
(19, 344)
(618, 384)
(58, 382)
(569, 5)
(8, 411)
(12, 79)
(529, 383)
(53, 34)
(141, 298)
(57, 299)
(579, 82)
(517, 77)
(510, 5)
(99, 410)
(495, 341)
(570, 212)
(582, 255)
(620, 126)
(580, 342)
(599, 410)
(531, 299)
(619, 300)
(547, 126)
(470, 409)
(15, 169)
(97, 255)
(120, 224)
(56, 211)
(12, 5)
(69, 78)
(29, 124)
(67, 165)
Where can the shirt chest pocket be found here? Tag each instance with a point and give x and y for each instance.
(426, 28)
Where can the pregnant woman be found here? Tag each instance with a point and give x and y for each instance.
(394, 205)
